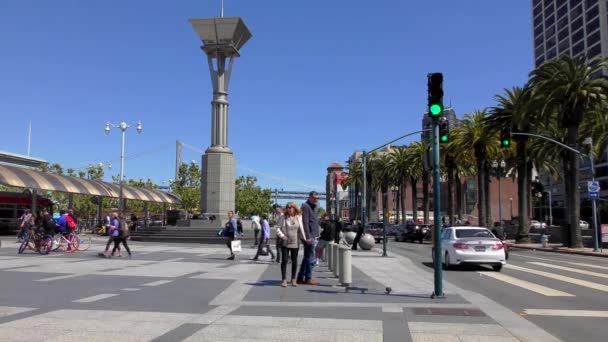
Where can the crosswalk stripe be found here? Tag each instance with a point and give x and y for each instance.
(545, 291)
(566, 313)
(564, 262)
(95, 298)
(569, 269)
(570, 280)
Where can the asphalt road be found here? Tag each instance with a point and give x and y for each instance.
(566, 295)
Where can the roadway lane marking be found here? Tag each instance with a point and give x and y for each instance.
(95, 298)
(595, 274)
(545, 291)
(570, 280)
(158, 282)
(567, 313)
(130, 289)
(564, 262)
(61, 277)
(176, 259)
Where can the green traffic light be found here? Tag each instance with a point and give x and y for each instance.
(435, 109)
(506, 143)
(444, 138)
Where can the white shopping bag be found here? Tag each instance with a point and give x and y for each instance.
(236, 245)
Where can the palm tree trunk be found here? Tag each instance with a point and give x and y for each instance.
(481, 178)
(574, 194)
(403, 199)
(522, 193)
(425, 195)
(414, 184)
(489, 219)
(565, 229)
(458, 195)
(450, 188)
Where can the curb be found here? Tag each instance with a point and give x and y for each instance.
(515, 246)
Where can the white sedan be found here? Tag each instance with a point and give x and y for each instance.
(584, 224)
(471, 245)
(538, 225)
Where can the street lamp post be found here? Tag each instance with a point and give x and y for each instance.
(395, 190)
(123, 126)
(499, 168)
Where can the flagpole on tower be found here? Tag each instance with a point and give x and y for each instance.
(222, 10)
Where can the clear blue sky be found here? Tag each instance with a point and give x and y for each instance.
(318, 80)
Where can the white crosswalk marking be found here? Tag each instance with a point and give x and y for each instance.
(545, 291)
(95, 298)
(570, 280)
(563, 262)
(569, 269)
(589, 265)
(567, 313)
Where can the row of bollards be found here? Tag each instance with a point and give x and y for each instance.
(339, 261)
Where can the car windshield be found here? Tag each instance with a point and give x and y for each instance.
(473, 233)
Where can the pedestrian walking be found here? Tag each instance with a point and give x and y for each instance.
(230, 232)
(120, 235)
(255, 225)
(327, 235)
(310, 222)
(279, 241)
(264, 238)
(291, 232)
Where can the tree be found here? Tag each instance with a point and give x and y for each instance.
(475, 134)
(400, 169)
(354, 179)
(188, 186)
(251, 199)
(415, 159)
(570, 88)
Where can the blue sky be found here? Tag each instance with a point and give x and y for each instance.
(318, 80)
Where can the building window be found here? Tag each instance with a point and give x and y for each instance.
(539, 50)
(538, 20)
(576, 24)
(594, 51)
(562, 11)
(549, 10)
(577, 36)
(564, 46)
(535, 2)
(563, 22)
(593, 25)
(550, 31)
(539, 40)
(590, 3)
(576, 11)
(540, 60)
(562, 34)
(578, 48)
(574, 3)
(550, 20)
(560, 2)
(538, 10)
(593, 12)
(593, 38)
(551, 53)
(538, 30)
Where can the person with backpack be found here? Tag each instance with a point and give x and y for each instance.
(73, 218)
(230, 232)
(264, 237)
(120, 233)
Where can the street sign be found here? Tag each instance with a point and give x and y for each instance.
(593, 187)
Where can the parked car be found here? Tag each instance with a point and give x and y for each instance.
(413, 232)
(537, 224)
(471, 245)
(584, 224)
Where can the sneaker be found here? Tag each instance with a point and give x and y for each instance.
(230, 257)
(311, 282)
(284, 283)
(299, 281)
(294, 283)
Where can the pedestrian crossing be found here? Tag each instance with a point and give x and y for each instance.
(552, 277)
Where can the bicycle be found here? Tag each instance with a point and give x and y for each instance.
(43, 243)
(67, 245)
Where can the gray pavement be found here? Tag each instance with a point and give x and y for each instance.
(187, 292)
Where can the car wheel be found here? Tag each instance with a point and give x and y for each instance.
(446, 261)
(497, 268)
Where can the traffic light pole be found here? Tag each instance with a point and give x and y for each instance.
(438, 293)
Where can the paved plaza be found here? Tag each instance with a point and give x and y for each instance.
(192, 293)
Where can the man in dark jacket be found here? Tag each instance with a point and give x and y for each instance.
(327, 235)
(310, 221)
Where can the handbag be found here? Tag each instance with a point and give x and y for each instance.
(264, 249)
(235, 245)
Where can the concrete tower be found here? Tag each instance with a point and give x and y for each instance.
(222, 39)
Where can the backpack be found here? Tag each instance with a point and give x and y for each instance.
(70, 223)
(123, 227)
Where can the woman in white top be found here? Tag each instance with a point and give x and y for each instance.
(291, 231)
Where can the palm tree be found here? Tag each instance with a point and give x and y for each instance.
(475, 134)
(569, 92)
(400, 168)
(516, 109)
(382, 177)
(415, 159)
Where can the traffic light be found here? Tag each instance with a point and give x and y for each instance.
(505, 137)
(444, 131)
(435, 94)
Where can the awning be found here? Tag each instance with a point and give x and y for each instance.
(29, 178)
